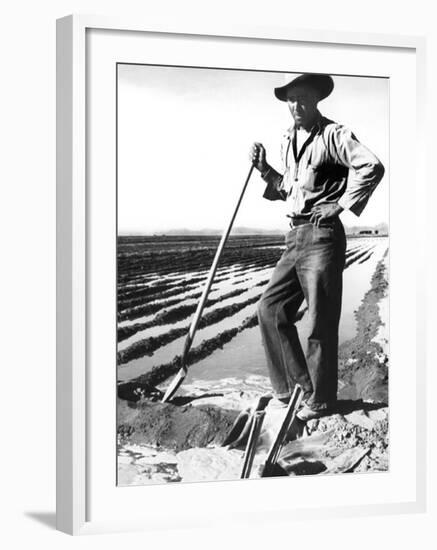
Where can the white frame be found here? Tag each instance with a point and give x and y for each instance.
(72, 246)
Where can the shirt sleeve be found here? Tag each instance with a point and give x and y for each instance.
(366, 170)
(275, 188)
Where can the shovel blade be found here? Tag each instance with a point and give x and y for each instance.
(174, 386)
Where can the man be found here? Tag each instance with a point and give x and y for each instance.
(325, 171)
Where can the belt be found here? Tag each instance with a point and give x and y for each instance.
(298, 220)
(302, 220)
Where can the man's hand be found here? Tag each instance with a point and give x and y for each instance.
(325, 212)
(258, 157)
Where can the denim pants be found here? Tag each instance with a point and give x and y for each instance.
(310, 269)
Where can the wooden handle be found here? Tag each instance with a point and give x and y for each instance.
(212, 272)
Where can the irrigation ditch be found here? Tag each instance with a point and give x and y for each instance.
(355, 439)
(165, 311)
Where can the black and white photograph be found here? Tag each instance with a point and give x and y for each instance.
(219, 230)
(252, 274)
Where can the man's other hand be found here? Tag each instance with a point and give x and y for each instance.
(258, 157)
(325, 212)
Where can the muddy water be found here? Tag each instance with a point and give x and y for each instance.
(223, 287)
(356, 282)
(165, 354)
(172, 279)
(244, 355)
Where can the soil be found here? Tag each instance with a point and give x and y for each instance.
(355, 438)
(176, 428)
(146, 383)
(363, 363)
(147, 346)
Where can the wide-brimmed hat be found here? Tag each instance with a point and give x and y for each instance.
(322, 83)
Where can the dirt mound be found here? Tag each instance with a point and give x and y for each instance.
(353, 440)
(365, 431)
(363, 364)
(164, 425)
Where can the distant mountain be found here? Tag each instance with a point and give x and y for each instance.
(381, 228)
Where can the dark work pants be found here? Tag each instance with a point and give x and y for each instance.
(310, 268)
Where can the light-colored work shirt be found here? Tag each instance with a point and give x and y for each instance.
(331, 166)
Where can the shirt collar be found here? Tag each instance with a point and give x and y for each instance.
(318, 126)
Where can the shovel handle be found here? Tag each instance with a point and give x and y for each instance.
(249, 453)
(212, 271)
(277, 444)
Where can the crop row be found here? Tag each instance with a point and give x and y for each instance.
(160, 300)
(132, 297)
(366, 257)
(173, 315)
(148, 346)
(181, 312)
(183, 261)
(352, 259)
(160, 373)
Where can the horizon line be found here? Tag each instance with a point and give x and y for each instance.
(237, 230)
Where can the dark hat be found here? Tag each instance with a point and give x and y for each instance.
(321, 83)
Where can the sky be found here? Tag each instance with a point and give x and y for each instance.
(184, 136)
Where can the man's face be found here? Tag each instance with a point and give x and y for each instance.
(302, 102)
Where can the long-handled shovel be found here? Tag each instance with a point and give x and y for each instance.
(278, 443)
(180, 376)
(255, 430)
